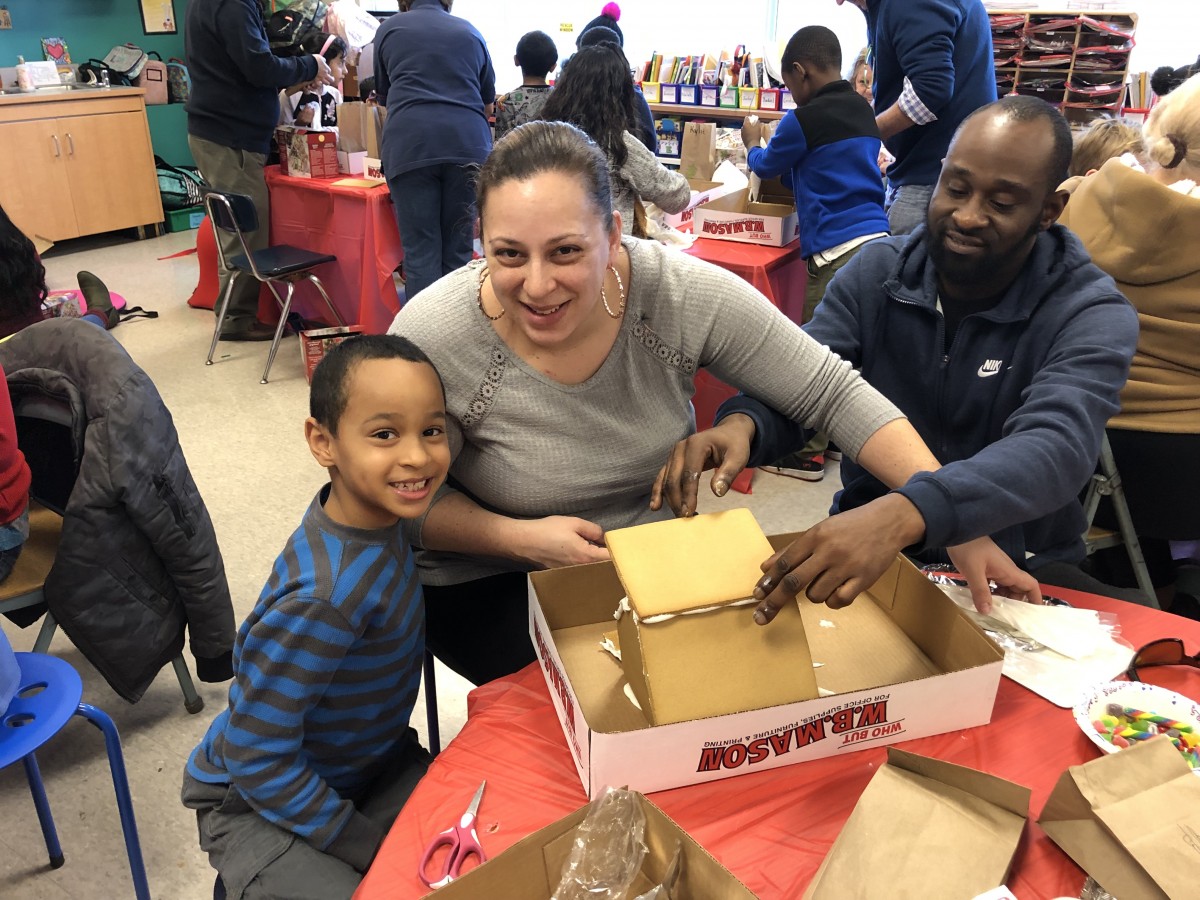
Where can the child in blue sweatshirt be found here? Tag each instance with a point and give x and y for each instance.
(827, 152)
(296, 783)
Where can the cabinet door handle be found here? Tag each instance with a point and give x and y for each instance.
(70, 144)
(57, 146)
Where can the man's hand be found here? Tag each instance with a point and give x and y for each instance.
(324, 74)
(726, 446)
(560, 541)
(839, 558)
(981, 561)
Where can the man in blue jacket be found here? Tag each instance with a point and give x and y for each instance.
(932, 61)
(232, 111)
(993, 331)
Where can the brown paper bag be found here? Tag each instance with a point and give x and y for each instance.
(924, 829)
(698, 155)
(360, 127)
(1132, 821)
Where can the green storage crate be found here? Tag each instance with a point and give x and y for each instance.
(184, 219)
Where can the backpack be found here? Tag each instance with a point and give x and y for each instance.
(286, 28)
(179, 84)
(181, 187)
(89, 72)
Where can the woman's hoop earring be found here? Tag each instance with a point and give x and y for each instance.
(604, 299)
(483, 274)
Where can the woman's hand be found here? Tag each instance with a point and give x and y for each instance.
(560, 541)
(726, 446)
(980, 561)
(840, 557)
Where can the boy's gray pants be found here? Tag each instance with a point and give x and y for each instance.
(257, 860)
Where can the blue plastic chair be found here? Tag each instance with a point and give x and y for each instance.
(47, 697)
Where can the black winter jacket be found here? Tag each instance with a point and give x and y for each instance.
(138, 560)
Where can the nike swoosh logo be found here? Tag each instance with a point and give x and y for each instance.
(987, 373)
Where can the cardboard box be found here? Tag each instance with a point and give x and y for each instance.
(710, 95)
(770, 219)
(687, 583)
(913, 811)
(652, 91)
(1131, 820)
(307, 154)
(727, 96)
(702, 192)
(316, 342)
(786, 100)
(768, 98)
(689, 94)
(351, 162)
(670, 93)
(532, 868)
(901, 662)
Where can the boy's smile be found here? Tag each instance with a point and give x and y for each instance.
(390, 453)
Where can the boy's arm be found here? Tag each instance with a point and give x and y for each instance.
(287, 661)
(785, 150)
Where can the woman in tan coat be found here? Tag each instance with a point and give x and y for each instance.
(1143, 228)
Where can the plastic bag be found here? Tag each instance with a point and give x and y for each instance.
(608, 850)
(667, 890)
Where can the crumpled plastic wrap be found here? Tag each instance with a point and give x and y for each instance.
(608, 850)
(1062, 675)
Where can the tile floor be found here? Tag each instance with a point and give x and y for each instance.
(244, 444)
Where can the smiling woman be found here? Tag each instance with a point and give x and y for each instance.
(568, 356)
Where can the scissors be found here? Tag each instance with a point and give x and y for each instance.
(461, 841)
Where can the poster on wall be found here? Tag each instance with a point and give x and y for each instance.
(158, 16)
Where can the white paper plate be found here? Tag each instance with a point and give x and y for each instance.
(1135, 694)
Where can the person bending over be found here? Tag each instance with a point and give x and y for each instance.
(992, 330)
(569, 354)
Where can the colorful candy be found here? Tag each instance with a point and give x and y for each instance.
(1123, 726)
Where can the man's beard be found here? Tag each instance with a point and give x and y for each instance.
(978, 270)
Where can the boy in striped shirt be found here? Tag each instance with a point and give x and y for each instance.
(296, 783)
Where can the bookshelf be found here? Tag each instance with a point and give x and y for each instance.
(1077, 60)
(719, 113)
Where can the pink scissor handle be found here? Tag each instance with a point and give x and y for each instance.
(462, 843)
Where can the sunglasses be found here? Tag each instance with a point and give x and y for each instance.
(1163, 652)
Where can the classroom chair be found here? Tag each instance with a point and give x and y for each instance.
(48, 695)
(282, 264)
(1106, 482)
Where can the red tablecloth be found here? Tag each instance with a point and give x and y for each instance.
(779, 274)
(772, 828)
(355, 224)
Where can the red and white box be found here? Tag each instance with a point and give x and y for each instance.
(304, 153)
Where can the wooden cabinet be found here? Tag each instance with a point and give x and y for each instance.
(77, 163)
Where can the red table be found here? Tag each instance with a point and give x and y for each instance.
(772, 828)
(355, 224)
(779, 274)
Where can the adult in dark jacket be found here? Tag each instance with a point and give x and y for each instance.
(991, 329)
(138, 560)
(933, 67)
(232, 110)
(434, 74)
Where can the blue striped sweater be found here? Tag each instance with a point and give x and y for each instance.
(327, 668)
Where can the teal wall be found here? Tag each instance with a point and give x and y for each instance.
(92, 28)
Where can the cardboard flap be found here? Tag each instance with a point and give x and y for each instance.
(1099, 814)
(688, 564)
(915, 819)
